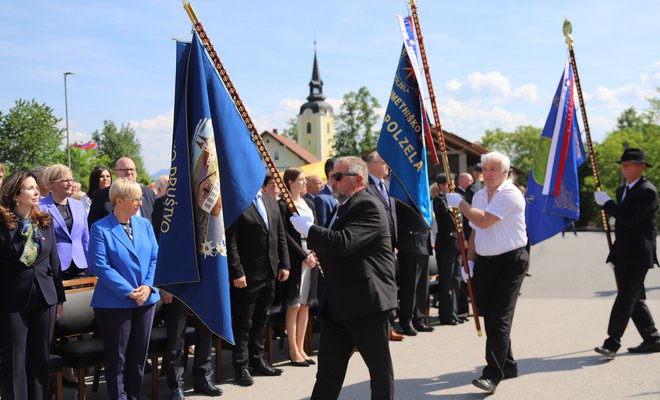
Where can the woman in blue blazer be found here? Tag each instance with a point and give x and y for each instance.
(69, 220)
(122, 254)
(31, 291)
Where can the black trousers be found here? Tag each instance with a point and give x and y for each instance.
(498, 280)
(449, 283)
(413, 286)
(126, 333)
(630, 303)
(339, 339)
(250, 307)
(176, 320)
(26, 338)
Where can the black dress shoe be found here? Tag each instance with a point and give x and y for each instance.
(646, 347)
(311, 362)
(177, 394)
(205, 387)
(420, 327)
(243, 377)
(485, 384)
(610, 354)
(407, 329)
(449, 322)
(265, 370)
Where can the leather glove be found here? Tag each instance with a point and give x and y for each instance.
(601, 198)
(454, 199)
(470, 267)
(301, 224)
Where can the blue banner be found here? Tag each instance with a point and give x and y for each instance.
(216, 171)
(553, 192)
(401, 142)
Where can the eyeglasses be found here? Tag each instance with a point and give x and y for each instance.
(64, 180)
(135, 200)
(127, 169)
(339, 175)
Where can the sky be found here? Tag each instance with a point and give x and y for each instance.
(492, 65)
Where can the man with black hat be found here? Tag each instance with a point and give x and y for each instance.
(633, 253)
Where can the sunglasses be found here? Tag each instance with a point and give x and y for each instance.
(339, 175)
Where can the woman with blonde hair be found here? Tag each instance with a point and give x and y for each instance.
(301, 287)
(122, 254)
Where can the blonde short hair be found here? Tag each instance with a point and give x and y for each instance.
(125, 189)
(53, 173)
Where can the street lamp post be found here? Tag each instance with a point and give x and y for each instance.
(66, 115)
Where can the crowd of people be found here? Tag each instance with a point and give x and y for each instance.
(352, 254)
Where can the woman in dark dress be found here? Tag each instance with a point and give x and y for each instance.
(31, 291)
(301, 288)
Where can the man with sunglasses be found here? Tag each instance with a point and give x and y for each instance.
(101, 206)
(358, 263)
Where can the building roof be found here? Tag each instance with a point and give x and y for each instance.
(293, 146)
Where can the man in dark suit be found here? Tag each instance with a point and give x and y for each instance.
(448, 255)
(378, 170)
(101, 206)
(414, 245)
(633, 253)
(257, 253)
(358, 263)
(176, 320)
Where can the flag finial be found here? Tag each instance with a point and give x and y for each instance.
(568, 29)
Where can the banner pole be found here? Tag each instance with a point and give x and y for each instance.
(445, 163)
(233, 93)
(568, 28)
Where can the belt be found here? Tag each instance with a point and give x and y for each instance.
(508, 253)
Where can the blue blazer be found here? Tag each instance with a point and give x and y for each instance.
(121, 265)
(70, 245)
(325, 205)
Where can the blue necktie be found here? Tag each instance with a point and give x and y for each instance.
(383, 192)
(259, 203)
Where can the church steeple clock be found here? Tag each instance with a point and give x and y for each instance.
(316, 122)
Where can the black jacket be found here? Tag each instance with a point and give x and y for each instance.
(358, 261)
(17, 280)
(635, 227)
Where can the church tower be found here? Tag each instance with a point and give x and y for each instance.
(316, 122)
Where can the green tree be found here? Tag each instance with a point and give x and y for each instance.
(292, 129)
(117, 143)
(519, 145)
(355, 124)
(30, 135)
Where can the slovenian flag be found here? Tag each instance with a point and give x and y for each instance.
(553, 192)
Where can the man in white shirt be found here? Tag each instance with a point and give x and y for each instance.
(497, 253)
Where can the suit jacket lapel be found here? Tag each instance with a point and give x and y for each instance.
(17, 242)
(55, 213)
(120, 234)
(257, 216)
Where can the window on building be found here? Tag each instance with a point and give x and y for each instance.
(309, 142)
(309, 127)
(276, 155)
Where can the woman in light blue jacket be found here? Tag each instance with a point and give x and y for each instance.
(122, 254)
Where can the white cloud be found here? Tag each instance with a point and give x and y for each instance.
(496, 85)
(155, 137)
(453, 85)
(469, 119)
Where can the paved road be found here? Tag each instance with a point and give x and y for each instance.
(562, 315)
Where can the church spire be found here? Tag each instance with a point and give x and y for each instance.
(316, 84)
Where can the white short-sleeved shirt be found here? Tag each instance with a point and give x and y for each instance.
(507, 204)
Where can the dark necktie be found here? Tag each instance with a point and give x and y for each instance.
(383, 192)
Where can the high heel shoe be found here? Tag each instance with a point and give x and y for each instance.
(299, 363)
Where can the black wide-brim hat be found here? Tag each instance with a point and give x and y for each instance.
(634, 155)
